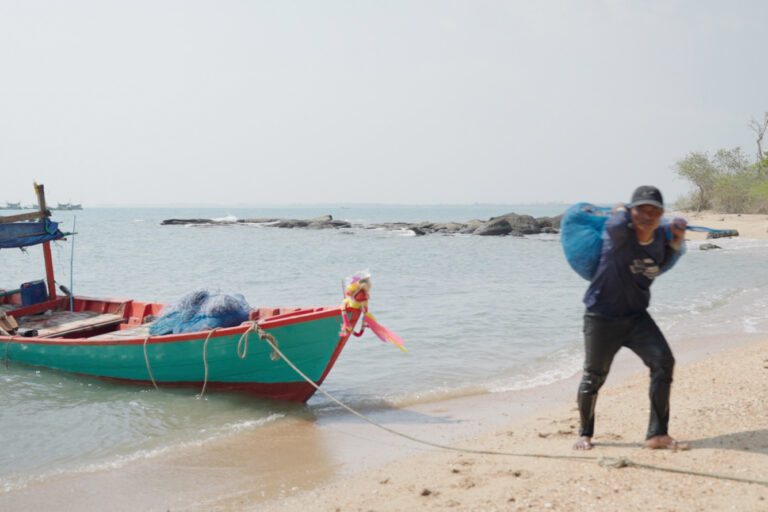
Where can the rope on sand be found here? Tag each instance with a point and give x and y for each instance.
(607, 462)
(623, 462)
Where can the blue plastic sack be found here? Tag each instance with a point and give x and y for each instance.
(201, 310)
(581, 234)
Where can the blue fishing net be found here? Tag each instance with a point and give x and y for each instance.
(201, 310)
(581, 234)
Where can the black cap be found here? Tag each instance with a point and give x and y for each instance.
(647, 195)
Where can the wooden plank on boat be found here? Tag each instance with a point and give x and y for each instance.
(60, 323)
(7, 322)
(25, 216)
(139, 331)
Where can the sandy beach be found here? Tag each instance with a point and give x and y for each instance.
(719, 406)
(340, 463)
(748, 225)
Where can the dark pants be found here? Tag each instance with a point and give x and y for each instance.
(603, 337)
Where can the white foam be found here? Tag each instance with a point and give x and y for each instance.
(229, 219)
(563, 365)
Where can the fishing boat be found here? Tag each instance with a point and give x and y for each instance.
(110, 338)
(69, 206)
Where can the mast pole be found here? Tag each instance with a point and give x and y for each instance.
(40, 191)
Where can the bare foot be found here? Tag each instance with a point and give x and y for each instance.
(584, 443)
(657, 442)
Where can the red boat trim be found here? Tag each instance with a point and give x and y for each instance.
(290, 391)
(291, 318)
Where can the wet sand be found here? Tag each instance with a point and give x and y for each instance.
(339, 462)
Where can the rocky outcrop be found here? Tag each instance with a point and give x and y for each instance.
(323, 222)
(724, 234)
(708, 247)
(510, 224)
(175, 222)
(494, 227)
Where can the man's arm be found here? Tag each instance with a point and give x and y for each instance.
(672, 248)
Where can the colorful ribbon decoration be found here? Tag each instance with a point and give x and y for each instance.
(357, 292)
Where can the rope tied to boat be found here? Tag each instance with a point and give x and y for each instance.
(242, 343)
(7, 344)
(606, 462)
(146, 360)
(242, 352)
(205, 362)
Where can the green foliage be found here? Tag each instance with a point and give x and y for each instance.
(758, 196)
(699, 170)
(762, 167)
(730, 161)
(726, 182)
(731, 193)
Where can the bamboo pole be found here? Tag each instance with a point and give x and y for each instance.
(40, 191)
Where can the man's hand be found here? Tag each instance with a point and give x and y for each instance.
(678, 231)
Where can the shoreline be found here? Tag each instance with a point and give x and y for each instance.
(749, 225)
(338, 461)
(726, 430)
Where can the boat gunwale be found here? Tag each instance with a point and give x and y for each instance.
(289, 318)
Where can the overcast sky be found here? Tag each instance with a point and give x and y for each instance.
(419, 102)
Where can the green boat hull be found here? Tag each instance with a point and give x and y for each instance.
(233, 359)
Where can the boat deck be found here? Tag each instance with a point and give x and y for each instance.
(139, 331)
(54, 324)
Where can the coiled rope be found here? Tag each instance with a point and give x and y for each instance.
(242, 343)
(607, 462)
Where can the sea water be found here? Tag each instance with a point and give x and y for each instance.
(478, 315)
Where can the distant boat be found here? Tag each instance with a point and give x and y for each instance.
(69, 206)
(11, 206)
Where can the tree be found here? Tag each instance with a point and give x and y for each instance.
(758, 196)
(730, 192)
(759, 128)
(728, 181)
(699, 170)
(731, 161)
